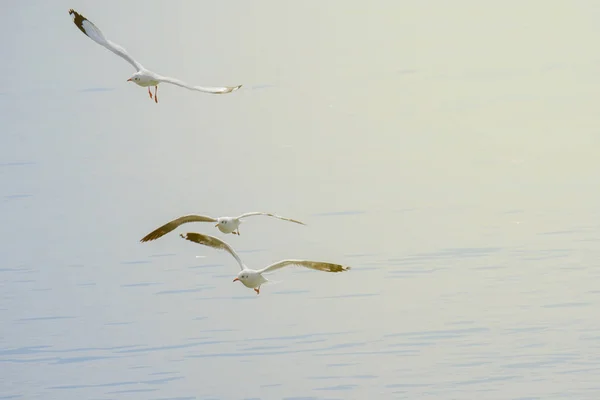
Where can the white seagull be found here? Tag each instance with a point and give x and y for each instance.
(142, 77)
(225, 224)
(252, 278)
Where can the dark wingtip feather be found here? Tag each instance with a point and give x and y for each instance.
(232, 89)
(190, 236)
(78, 20)
(341, 268)
(338, 268)
(152, 236)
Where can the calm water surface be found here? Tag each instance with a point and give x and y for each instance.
(447, 152)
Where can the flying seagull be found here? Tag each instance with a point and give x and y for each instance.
(142, 77)
(225, 224)
(252, 278)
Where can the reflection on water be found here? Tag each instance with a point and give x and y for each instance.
(447, 154)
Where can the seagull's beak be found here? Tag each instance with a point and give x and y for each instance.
(216, 225)
(129, 80)
(236, 279)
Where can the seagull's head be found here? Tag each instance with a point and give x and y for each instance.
(244, 277)
(226, 222)
(135, 78)
(250, 278)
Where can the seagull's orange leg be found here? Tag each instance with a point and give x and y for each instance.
(156, 93)
(257, 290)
(149, 93)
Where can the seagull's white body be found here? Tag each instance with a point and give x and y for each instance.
(228, 224)
(224, 224)
(252, 278)
(143, 77)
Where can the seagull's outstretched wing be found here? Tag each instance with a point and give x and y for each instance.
(250, 214)
(169, 226)
(97, 36)
(319, 266)
(213, 90)
(213, 242)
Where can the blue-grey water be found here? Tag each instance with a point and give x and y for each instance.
(447, 151)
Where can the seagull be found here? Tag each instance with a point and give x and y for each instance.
(225, 224)
(252, 278)
(142, 77)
